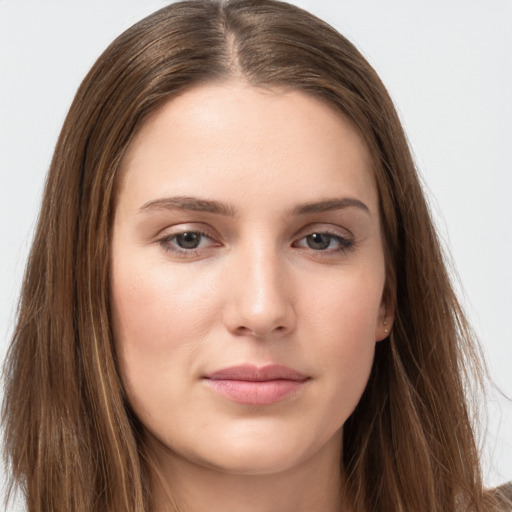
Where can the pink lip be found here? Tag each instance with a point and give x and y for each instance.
(250, 385)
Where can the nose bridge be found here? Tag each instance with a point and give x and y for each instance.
(261, 302)
(264, 275)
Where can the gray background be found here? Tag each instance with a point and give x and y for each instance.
(446, 63)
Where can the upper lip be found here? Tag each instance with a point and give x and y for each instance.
(252, 373)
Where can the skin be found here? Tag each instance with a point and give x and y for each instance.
(258, 289)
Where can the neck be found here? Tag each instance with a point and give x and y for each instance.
(314, 484)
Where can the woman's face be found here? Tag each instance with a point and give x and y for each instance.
(247, 277)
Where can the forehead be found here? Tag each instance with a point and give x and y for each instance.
(241, 143)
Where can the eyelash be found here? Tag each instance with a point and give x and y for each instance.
(165, 243)
(345, 244)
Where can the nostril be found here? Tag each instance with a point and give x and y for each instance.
(245, 331)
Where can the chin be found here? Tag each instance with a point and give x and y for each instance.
(262, 452)
(248, 460)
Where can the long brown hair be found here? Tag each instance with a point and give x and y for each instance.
(71, 440)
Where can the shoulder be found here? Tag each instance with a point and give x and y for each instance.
(503, 497)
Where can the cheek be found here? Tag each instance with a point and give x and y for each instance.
(346, 307)
(155, 308)
(342, 322)
(160, 322)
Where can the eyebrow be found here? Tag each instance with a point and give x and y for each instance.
(189, 203)
(197, 204)
(328, 205)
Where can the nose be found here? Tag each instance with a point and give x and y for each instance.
(260, 302)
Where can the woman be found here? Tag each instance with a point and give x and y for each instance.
(236, 298)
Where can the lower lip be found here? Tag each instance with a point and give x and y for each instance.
(256, 393)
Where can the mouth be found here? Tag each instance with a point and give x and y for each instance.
(250, 385)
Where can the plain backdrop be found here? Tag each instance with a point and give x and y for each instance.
(447, 65)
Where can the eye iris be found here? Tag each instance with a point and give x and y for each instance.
(188, 240)
(318, 241)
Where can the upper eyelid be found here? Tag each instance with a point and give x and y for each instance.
(171, 236)
(206, 230)
(343, 240)
(296, 238)
(177, 229)
(324, 227)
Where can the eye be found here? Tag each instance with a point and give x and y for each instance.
(325, 242)
(186, 242)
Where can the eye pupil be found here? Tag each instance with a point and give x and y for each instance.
(318, 241)
(188, 240)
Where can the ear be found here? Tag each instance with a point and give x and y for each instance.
(385, 319)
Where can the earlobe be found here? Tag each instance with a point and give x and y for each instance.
(383, 329)
(384, 322)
